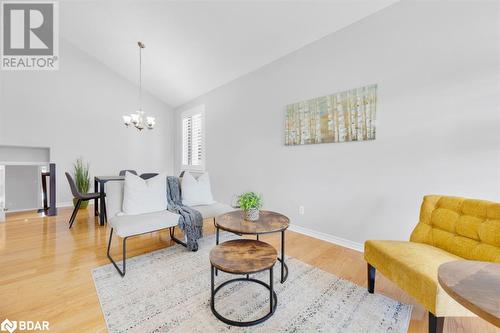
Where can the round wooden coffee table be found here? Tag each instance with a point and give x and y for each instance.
(243, 256)
(475, 285)
(268, 222)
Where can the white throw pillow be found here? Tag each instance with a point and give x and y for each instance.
(196, 191)
(144, 196)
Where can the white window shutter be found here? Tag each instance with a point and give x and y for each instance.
(193, 144)
(186, 140)
(197, 144)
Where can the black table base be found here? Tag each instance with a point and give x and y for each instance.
(273, 299)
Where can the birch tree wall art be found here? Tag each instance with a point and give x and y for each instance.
(341, 117)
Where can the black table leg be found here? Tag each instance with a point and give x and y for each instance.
(216, 243)
(271, 292)
(102, 208)
(212, 301)
(96, 189)
(282, 256)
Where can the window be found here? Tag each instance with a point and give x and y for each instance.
(193, 138)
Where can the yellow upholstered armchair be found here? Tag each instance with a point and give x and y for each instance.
(449, 229)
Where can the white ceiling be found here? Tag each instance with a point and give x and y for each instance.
(194, 47)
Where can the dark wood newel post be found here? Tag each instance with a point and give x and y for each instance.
(52, 186)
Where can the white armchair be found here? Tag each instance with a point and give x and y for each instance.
(126, 226)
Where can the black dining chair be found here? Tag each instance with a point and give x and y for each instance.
(122, 172)
(81, 197)
(148, 175)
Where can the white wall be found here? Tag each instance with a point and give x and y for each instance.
(437, 67)
(77, 111)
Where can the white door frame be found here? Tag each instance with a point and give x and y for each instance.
(2, 193)
(40, 165)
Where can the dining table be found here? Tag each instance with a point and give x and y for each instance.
(100, 186)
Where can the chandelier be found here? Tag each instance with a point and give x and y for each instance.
(137, 119)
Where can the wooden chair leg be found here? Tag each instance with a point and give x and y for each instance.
(75, 211)
(436, 324)
(370, 270)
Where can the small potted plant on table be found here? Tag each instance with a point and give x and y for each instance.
(82, 180)
(250, 202)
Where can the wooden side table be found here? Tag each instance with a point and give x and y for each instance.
(268, 222)
(475, 285)
(243, 256)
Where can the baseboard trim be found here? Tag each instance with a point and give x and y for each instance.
(58, 205)
(20, 210)
(70, 204)
(327, 237)
(64, 204)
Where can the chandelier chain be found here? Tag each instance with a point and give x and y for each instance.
(140, 78)
(138, 119)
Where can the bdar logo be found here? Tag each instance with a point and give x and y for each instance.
(24, 325)
(8, 325)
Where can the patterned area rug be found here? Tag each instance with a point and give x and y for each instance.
(169, 291)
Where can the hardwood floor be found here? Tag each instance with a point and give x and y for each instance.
(45, 270)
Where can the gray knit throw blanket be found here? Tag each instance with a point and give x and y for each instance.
(190, 221)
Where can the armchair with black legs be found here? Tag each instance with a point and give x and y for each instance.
(81, 197)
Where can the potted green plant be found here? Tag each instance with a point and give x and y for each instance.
(250, 202)
(82, 180)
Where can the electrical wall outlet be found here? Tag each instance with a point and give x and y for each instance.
(301, 210)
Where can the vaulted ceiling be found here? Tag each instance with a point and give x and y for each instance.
(195, 47)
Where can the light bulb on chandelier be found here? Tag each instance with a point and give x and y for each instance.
(127, 120)
(150, 122)
(137, 119)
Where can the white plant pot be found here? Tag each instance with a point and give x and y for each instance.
(252, 214)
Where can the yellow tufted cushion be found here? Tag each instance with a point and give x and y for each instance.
(449, 228)
(413, 267)
(465, 227)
